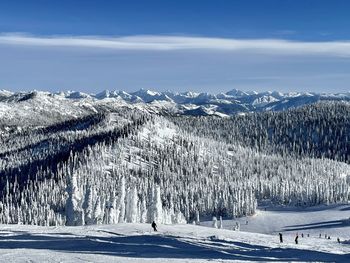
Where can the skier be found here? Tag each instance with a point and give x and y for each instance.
(237, 227)
(154, 226)
(296, 239)
(338, 239)
(302, 234)
(281, 237)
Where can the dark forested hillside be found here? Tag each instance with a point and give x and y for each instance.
(319, 130)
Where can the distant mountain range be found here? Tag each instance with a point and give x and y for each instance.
(190, 103)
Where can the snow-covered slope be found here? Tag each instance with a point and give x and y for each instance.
(41, 108)
(332, 220)
(264, 100)
(173, 243)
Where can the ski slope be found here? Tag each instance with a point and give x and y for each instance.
(173, 243)
(332, 220)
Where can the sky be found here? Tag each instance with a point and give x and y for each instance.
(199, 45)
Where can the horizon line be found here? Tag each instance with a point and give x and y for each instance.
(171, 91)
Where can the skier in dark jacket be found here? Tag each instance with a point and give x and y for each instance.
(154, 226)
(296, 239)
(281, 237)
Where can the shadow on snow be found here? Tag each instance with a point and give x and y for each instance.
(159, 246)
(319, 225)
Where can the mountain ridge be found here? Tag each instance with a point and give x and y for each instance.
(187, 103)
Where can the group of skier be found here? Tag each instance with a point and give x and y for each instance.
(296, 240)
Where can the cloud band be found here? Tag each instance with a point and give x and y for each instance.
(168, 43)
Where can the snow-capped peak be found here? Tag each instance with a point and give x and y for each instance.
(236, 93)
(232, 102)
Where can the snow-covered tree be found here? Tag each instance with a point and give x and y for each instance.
(132, 213)
(215, 222)
(157, 208)
(74, 210)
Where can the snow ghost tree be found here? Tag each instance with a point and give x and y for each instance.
(98, 212)
(132, 208)
(88, 205)
(74, 210)
(198, 222)
(111, 210)
(120, 213)
(143, 210)
(220, 223)
(157, 209)
(215, 222)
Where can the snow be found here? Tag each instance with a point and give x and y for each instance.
(264, 100)
(236, 93)
(334, 221)
(40, 107)
(5, 93)
(136, 242)
(159, 132)
(190, 94)
(19, 108)
(257, 240)
(152, 93)
(222, 115)
(173, 243)
(190, 106)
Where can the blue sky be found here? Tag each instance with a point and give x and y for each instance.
(209, 46)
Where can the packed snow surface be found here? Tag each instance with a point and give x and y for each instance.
(333, 221)
(181, 243)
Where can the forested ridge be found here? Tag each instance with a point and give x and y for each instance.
(118, 164)
(320, 130)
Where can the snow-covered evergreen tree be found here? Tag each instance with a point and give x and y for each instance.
(74, 210)
(132, 212)
(215, 222)
(157, 208)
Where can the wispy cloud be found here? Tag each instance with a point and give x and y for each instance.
(168, 43)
